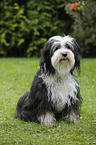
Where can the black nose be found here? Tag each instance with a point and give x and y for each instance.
(64, 54)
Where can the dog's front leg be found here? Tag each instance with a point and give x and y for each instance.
(47, 118)
(72, 117)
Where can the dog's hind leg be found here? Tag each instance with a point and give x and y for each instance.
(20, 104)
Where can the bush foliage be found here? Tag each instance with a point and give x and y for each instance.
(11, 32)
(26, 25)
(84, 26)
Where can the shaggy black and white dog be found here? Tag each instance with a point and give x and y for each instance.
(54, 93)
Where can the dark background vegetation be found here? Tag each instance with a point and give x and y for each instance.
(25, 25)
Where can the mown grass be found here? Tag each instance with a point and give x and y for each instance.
(16, 76)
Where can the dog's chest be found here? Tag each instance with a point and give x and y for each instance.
(60, 91)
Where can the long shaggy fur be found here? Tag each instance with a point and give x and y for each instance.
(54, 93)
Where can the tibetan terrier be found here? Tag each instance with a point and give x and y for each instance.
(54, 94)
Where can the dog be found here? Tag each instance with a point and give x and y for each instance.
(55, 93)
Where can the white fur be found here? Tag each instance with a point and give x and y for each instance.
(61, 88)
(47, 118)
(63, 66)
(73, 117)
(62, 40)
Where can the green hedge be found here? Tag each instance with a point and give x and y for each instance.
(47, 18)
(84, 28)
(11, 32)
(26, 25)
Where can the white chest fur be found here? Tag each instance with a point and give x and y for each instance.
(59, 90)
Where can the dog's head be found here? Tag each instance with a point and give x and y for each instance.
(60, 54)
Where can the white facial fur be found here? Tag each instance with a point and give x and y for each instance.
(63, 66)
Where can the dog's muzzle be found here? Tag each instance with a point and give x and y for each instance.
(64, 57)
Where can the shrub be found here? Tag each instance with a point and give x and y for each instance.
(47, 18)
(84, 26)
(11, 36)
(26, 25)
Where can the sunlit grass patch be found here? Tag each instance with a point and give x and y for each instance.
(16, 76)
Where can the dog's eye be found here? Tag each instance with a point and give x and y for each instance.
(69, 46)
(56, 48)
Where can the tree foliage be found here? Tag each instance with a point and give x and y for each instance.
(84, 28)
(47, 18)
(25, 28)
(26, 25)
(11, 32)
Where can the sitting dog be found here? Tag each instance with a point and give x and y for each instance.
(54, 93)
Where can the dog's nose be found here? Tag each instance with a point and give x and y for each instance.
(64, 55)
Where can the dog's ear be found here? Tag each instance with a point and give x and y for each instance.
(77, 55)
(73, 45)
(45, 62)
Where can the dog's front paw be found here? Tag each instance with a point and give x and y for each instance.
(47, 119)
(72, 117)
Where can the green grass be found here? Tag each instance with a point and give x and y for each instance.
(16, 76)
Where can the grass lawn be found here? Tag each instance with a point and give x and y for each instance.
(16, 75)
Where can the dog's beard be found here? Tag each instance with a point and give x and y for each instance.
(63, 60)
